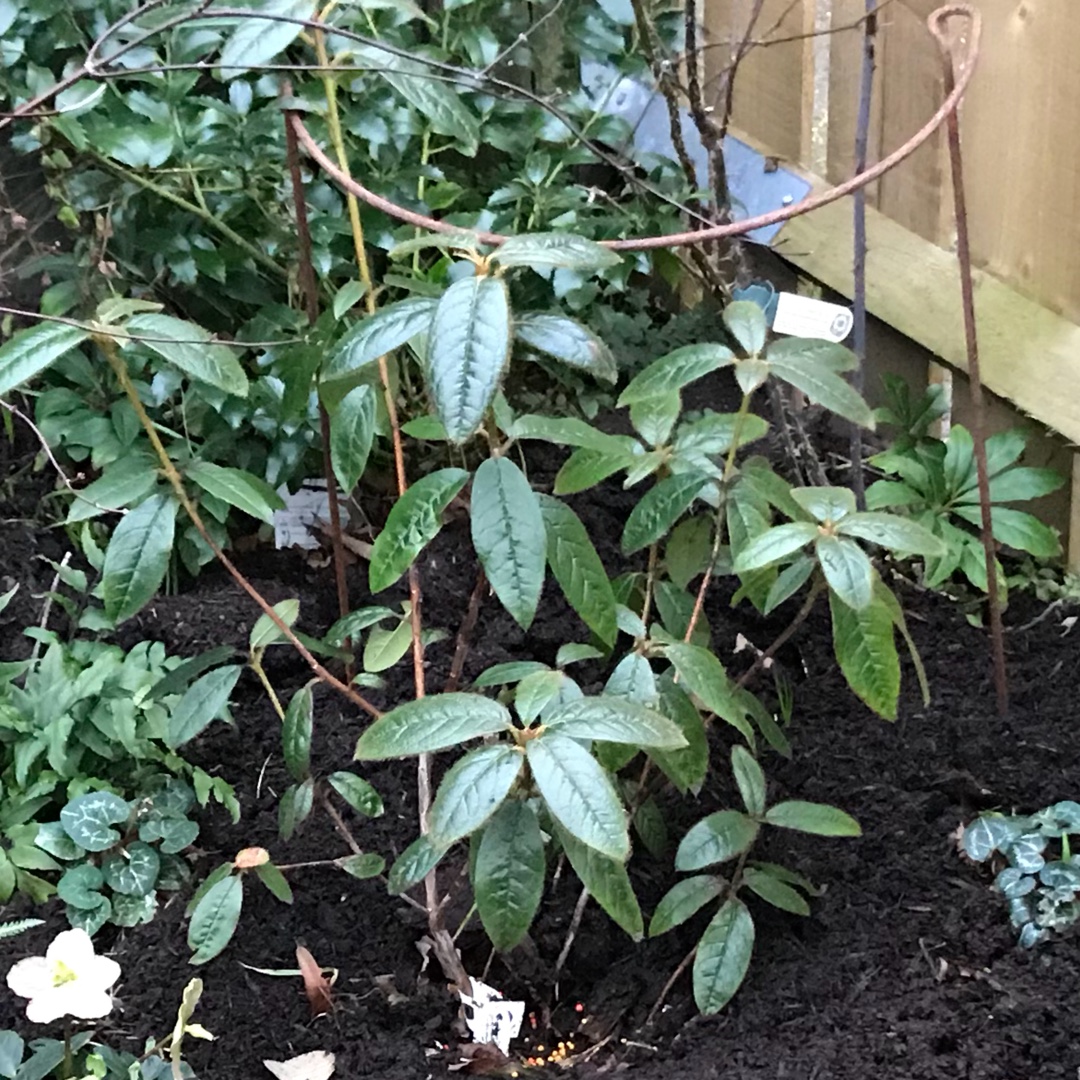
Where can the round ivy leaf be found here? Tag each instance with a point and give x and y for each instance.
(134, 871)
(175, 834)
(1026, 854)
(90, 921)
(1031, 935)
(52, 838)
(985, 836)
(133, 910)
(1060, 875)
(80, 887)
(1058, 820)
(1019, 912)
(174, 873)
(86, 819)
(1014, 883)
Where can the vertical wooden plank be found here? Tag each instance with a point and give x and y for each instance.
(814, 129)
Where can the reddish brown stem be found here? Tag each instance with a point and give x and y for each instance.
(464, 634)
(784, 636)
(947, 42)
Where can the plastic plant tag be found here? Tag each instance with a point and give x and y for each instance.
(316, 1065)
(805, 317)
(491, 1018)
(303, 509)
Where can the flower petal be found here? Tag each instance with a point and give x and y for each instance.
(73, 947)
(31, 977)
(47, 1007)
(99, 974)
(89, 1004)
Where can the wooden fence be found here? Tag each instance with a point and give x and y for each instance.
(796, 98)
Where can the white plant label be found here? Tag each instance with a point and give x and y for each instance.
(318, 1065)
(805, 317)
(295, 526)
(491, 1018)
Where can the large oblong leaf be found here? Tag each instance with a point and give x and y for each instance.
(578, 569)
(467, 351)
(568, 341)
(296, 732)
(508, 878)
(377, 335)
(471, 791)
(723, 956)
(125, 481)
(257, 41)
(508, 534)
(813, 367)
(676, 370)
(578, 793)
(607, 882)
(847, 569)
(811, 817)
(685, 768)
(352, 430)
(704, 675)
(202, 702)
(214, 919)
(190, 348)
(412, 524)
(238, 488)
(138, 556)
(613, 719)
(430, 724)
(892, 531)
(775, 544)
(865, 648)
(683, 900)
(31, 351)
(552, 249)
(661, 506)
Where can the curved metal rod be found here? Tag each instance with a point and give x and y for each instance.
(697, 236)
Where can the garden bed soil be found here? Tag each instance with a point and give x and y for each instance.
(906, 969)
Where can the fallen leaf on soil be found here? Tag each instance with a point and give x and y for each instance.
(317, 1065)
(315, 985)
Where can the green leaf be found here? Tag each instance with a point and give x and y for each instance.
(866, 652)
(133, 871)
(350, 625)
(570, 431)
(634, 680)
(441, 105)
(788, 582)
(578, 793)
(257, 41)
(384, 648)
(573, 652)
(352, 430)
(654, 417)
(1018, 485)
(265, 632)
(471, 791)
(377, 335)
(205, 700)
(578, 569)
(723, 956)
(847, 569)
(775, 544)
(295, 807)
(746, 321)
(237, 488)
(775, 892)
(687, 768)
(296, 733)
(348, 296)
(445, 241)
(430, 724)
(809, 367)
(87, 819)
(810, 817)
(12, 1048)
(511, 672)
(275, 882)
(80, 887)
(705, 676)
(700, 441)
(682, 901)
(363, 866)
(508, 534)
(138, 556)
(124, 482)
(688, 551)
(508, 878)
(607, 883)
(825, 503)
(676, 370)
(357, 792)
(468, 348)
(413, 522)
(584, 469)
(413, 865)
(213, 922)
(749, 778)
(660, 508)
(566, 340)
(559, 250)
(894, 532)
(1016, 529)
(614, 719)
(715, 839)
(536, 692)
(31, 351)
(191, 349)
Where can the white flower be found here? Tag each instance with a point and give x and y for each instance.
(69, 980)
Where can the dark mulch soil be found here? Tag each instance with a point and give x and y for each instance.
(906, 970)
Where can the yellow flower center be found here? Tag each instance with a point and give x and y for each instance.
(63, 974)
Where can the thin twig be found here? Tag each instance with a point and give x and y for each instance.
(571, 933)
(464, 634)
(938, 24)
(784, 636)
(686, 961)
(46, 608)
